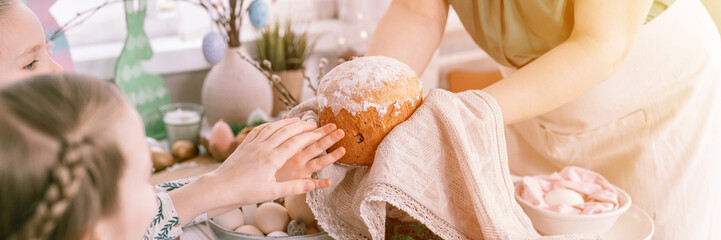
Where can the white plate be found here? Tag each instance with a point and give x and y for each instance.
(635, 224)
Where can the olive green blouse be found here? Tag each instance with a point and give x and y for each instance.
(516, 32)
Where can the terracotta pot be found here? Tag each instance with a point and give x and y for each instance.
(293, 81)
(233, 89)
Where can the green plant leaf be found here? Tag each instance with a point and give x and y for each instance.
(284, 48)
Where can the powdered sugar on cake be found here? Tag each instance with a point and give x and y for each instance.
(353, 80)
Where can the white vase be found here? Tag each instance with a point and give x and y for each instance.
(234, 88)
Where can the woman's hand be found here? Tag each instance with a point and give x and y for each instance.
(276, 160)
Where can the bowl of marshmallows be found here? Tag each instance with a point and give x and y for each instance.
(285, 218)
(572, 201)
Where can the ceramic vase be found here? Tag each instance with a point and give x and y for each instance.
(234, 88)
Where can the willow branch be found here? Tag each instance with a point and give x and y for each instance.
(274, 80)
(80, 18)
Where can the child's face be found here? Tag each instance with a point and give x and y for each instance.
(22, 45)
(137, 203)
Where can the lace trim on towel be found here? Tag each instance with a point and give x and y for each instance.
(375, 217)
(384, 192)
(327, 219)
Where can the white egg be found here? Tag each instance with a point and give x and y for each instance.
(298, 209)
(249, 229)
(231, 219)
(271, 217)
(563, 196)
(249, 213)
(277, 234)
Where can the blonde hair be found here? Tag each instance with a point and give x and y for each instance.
(60, 167)
(5, 4)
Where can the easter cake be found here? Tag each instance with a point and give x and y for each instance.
(367, 97)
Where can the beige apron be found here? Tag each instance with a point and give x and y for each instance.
(653, 128)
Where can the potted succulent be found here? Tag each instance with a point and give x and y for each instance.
(284, 52)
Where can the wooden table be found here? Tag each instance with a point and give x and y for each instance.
(203, 164)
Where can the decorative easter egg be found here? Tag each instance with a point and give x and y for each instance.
(184, 149)
(277, 234)
(258, 13)
(214, 47)
(271, 217)
(249, 213)
(296, 228)
(563, 196)
(221, 136)
(221, 140)
(231, 219)
(298, 209)
(161, 159)
(249, 229)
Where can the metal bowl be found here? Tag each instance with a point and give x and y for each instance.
(222, 233)
(346, 165)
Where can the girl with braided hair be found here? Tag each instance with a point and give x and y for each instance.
(75, 164)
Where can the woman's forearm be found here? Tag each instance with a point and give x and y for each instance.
(559, 76)
(410, 31)
(603, 33)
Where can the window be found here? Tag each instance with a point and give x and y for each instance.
(107, 25)
(175, 29)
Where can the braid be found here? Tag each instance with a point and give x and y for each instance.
(60, 177)
(67, 176)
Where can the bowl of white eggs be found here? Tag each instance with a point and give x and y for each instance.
(289, 218)
(548, 222)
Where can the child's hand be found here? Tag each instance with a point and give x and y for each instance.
(308, 160)
(249, 174)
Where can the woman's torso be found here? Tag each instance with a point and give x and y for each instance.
(653, 128)
(516, 32)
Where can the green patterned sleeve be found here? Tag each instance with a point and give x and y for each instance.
(166, 224)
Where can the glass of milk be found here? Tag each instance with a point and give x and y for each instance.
(182, 121)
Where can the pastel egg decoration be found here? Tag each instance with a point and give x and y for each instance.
(221, 140)
(231, 219)
(161, 159)
(258, 13)
(271, 217)
(277, 234)
(296, 228)
(184, 150)
(249, 229)
(214, 46)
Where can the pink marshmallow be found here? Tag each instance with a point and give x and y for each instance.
(598, 194)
